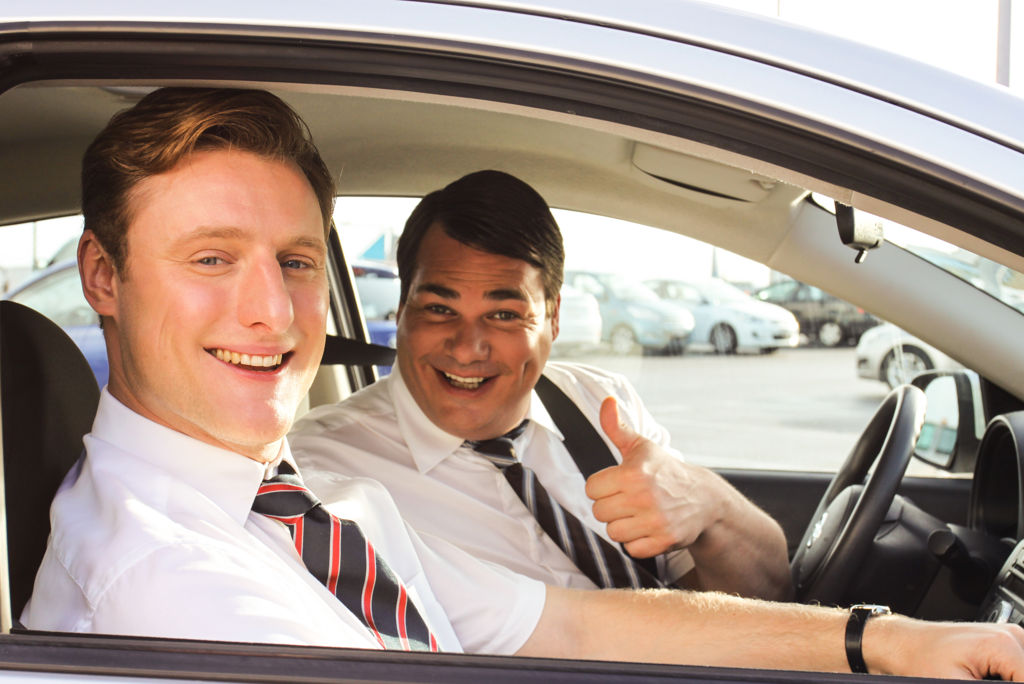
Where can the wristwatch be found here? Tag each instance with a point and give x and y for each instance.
(859, 615)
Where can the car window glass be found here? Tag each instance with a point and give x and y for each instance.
(617, 315)
(58, 296)
(779, 292)
(999, 281)
(714, 364)
(38, 270)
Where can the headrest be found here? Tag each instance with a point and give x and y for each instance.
(48, 398)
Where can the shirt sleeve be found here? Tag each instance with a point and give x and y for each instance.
(195, 592)
(493, 610)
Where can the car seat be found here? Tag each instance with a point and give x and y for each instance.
(48, 398)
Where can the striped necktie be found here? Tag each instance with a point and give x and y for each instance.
(597, 558)
(336, 553)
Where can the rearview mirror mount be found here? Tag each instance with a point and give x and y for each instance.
(858, 236)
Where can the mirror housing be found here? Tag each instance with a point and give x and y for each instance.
(859, 236)
(949, 437)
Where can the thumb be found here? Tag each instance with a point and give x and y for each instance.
(622, 436)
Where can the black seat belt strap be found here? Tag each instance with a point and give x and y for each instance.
(587, 448)
(583, 442)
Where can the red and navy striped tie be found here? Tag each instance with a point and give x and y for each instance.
(336, 553)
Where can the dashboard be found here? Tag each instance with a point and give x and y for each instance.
(997, 510)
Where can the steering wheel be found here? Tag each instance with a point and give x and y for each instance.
(843, 527)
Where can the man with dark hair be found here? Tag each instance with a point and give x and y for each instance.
(187, 516)
(471, 350)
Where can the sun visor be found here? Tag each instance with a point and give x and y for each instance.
(701, 175)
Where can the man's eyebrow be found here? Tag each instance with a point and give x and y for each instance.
(312, 243)
(205, 233)
(232, 233)
(501, 294)
(439, 290)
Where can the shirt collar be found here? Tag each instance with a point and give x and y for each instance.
(428, 444)
(227, 478)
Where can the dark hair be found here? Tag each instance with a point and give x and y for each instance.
(494, 212)
(169, 124)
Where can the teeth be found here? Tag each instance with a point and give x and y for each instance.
(253, 360)
(464, 383)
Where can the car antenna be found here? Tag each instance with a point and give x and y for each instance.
(860, 237)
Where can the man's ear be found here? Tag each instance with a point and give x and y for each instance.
(99, 277)
(554, 317)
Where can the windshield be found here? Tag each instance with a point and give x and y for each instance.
(631, 290)
(721, 292)
(1002, 282)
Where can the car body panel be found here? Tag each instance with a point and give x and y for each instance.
(668, 116)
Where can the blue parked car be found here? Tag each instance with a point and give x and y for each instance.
(378, 288)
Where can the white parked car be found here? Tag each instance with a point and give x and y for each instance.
(894, 356)
(579, 322)
(728, 319)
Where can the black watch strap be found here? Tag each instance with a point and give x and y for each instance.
(859, 616)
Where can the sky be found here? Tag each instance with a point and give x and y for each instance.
(957, 35)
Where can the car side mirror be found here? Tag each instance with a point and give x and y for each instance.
(949, 436)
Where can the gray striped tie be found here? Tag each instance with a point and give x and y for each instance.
(603, 562)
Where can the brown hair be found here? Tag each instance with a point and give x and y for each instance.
(169, 124)
(494, 212)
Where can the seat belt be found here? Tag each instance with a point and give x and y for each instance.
(349, 352)
(586, 446)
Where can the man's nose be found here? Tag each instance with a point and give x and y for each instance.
(469, 342)
(263, 296)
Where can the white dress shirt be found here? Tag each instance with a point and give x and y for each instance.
(153, 535)
(448, 491)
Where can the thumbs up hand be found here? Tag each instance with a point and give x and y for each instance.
(653, 502)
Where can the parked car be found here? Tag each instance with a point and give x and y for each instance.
(728, 319)
(56, 292)
(895, 357)
(823, 317)
(579, 322)
(681, 119)
(633, 317)
(378, 288)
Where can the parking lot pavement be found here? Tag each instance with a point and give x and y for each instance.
(797, 408)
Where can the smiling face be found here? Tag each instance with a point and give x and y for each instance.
(217, 328)
(473, 336)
